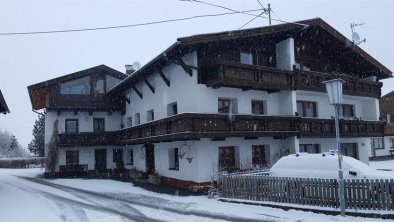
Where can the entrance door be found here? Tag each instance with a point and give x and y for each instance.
(150, 158)
(100, 156)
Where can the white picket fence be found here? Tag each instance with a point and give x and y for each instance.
(359, 193)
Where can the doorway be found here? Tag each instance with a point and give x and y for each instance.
(100, 156)
(150, 158)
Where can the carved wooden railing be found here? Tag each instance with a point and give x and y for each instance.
(189, 126)
(347, 128)
(231, 74)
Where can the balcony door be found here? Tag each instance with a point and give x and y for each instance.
(150, 158)
(100, 156)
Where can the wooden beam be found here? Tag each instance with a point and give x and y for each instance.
(186, 68)
(149, 86)
(167, 81)
(137, 91)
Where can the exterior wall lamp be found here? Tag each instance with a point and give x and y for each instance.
(334, 91)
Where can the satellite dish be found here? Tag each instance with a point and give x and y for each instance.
(136, 65)
(355, 37)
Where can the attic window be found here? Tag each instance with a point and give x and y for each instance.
(76, 87)
(246, 58)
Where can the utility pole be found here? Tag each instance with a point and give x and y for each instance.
(269, 12)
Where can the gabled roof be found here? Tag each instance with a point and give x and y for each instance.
(38, 91)
(286, 30)
(3, 105)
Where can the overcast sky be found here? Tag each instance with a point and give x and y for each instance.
(29, 59)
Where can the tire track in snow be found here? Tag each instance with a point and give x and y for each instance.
(185, 212)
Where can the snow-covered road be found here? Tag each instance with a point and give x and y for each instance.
(23, 197)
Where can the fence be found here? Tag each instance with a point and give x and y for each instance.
(359, 193)
(22, 162)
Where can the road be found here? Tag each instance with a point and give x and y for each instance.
(31, 199)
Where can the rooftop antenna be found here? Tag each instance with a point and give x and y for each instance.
(355, 37)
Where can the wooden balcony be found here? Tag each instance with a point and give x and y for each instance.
(389, 129)
(86, 139)
(192, 126)
(325, 128)
(231, 74)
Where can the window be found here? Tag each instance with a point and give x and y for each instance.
(172, 109)
(111, 82)
(349, 149)
(129, 121)
(72, 157)
(76, 87)
(388, 118)
(99, 86)
(307, 109)
(117, 155)
(131, 157)
(377, 143)
(258, 107)
(98, 124)
(346, 110)
(391, 143)
(246, 58)
(227, 105)
(71, 125)
(258, 155)
(150, 115)
(173, 159)
(310, 148)
(137, 118)
(226, 158)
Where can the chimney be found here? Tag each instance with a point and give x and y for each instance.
(129, 69)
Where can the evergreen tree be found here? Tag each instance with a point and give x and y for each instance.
(37, 145)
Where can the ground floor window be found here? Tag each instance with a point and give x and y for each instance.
(227, 158)
(173, 159)
(391, 143)
(377, 143)
(349, 149)
(259, 156)
(117, 155)
(310, 148)
(131, 157)
(72, 157)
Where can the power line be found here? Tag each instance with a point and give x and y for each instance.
(251, 20)
(128, 26)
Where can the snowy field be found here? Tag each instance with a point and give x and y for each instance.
(24, 199)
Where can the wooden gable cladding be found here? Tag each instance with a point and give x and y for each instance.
(386, 106)
(193, 126)
(48, 94)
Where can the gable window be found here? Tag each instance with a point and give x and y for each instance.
(307, 108)
(258, 155)
(172, 109)
(76, 87)
(71, 125)
(150, 115)
(173, 159)
(388, 118)
(349, 149)
(72, 157)
(137, 118)
(346, 110)
(310, 148)
(98, 124)
(99, 86)
(117, 155)
(377, 143)
(111, 82)
(227, 158)
(129, 121)
(258, 107)
(227, 105)
(246, 58)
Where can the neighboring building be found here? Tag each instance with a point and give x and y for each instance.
(383, 147)
(3, 105)
(224, 101)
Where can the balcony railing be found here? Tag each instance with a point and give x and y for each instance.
(389, 129)
(190, 126)
(347, 128)
(231, 74)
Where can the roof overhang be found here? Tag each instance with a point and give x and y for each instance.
(3, 105)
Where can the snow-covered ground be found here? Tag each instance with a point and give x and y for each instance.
(107, 200)
(387, 165)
